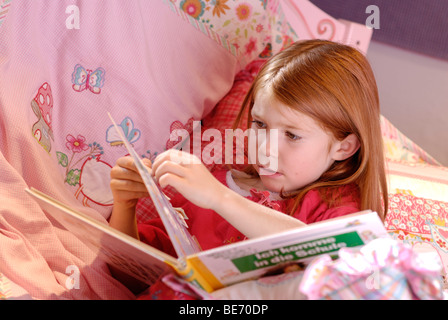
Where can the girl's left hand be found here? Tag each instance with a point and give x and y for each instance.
(185, 172)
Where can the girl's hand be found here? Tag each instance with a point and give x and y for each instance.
(126, 183)
(191, 178)
(186, 173)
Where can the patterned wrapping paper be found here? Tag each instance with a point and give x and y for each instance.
(383, 269)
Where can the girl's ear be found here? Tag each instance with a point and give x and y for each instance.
(347, 147)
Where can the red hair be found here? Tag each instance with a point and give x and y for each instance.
(333, 84)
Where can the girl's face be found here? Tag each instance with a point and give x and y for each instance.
(303, 150)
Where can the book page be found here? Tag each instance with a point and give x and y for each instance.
(295, 248)
(112, 246)
(184, 244)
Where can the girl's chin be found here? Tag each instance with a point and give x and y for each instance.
(277, 185)
(269, 184)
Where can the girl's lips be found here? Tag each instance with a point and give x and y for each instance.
(268, 172)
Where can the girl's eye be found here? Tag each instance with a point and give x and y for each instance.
(259, 124)
(292, 136)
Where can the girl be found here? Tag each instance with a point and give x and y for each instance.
(322, 100)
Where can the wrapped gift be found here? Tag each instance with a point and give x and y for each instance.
(382, 269)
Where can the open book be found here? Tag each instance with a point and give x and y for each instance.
(214, 268)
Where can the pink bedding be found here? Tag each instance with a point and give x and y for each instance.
(57, 82)
(63, 66)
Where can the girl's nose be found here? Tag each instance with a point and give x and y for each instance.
(267, 145)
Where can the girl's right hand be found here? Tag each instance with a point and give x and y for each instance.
(126, 183)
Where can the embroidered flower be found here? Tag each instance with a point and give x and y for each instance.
(76, 144)
(251, 46)
(220, 7)
(244, 11)
(194, 8)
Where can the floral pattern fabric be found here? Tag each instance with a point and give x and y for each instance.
(248, 27)
(420, 223)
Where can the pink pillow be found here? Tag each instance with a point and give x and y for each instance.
(148, 64)
(154, 65)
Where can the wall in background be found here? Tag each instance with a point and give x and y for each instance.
(413, 91)
(416, 25)
(409, 55)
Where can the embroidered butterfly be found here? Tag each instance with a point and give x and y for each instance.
(83, 79)
(129, 132)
